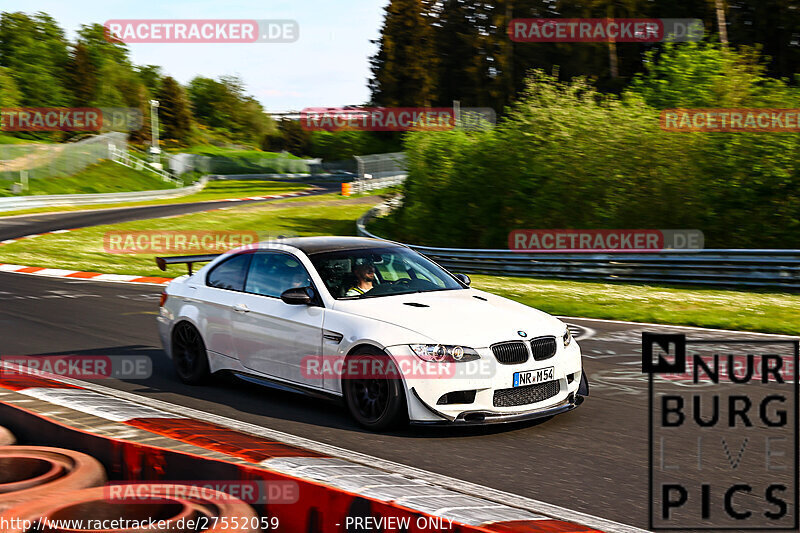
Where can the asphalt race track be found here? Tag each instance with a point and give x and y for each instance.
(12, 226)
(594, 459)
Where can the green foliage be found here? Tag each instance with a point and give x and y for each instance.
(461, 73)
(707, 75)
(10, 95)
(224, 106)
(204, 149)
(111, 80)
(34, 50)
(151, 76)
(236, 161)
(568, 157)
(403, 67)
(173, 111)
(81, 75)
(341, 145)
(8, 138)
(290, 137)
(103, 177)
(473, 60)
(40, 67)
(237, 164)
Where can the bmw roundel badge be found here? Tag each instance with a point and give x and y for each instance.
(522, 334)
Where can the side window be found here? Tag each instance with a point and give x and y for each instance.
(230, 274)
(272, 273)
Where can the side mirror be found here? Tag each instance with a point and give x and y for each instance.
(297, 296)
(463, 278)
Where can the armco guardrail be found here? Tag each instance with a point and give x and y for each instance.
(16, 203)
(752, 268)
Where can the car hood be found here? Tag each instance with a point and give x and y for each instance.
(466, 317)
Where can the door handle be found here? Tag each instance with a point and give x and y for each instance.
(241, 308)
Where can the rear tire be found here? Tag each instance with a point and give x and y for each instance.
(189, 355)
(376, 402)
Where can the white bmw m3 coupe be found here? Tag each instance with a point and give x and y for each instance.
(395, 335)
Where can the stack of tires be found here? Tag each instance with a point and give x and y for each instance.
(55, 490)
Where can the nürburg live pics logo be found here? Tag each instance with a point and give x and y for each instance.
(723, 433)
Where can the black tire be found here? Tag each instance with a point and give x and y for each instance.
(189, 355)
(376, 402)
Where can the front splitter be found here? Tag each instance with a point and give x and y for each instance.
(480, 417)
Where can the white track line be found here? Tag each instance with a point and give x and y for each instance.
(696, 328)
(513, 500)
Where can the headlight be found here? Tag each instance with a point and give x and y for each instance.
(440, 353)
(567, 338)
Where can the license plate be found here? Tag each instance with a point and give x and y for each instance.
(532, 377)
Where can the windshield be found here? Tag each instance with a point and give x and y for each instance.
(373, 272)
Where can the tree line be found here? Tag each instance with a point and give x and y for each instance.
(40, 67)
(566, 155)
(432, 52)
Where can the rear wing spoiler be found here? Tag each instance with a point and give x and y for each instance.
(189, 260)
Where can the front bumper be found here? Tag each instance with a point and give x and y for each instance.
(489, 417)
(425, 393)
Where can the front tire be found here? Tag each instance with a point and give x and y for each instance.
(189, 355)
(376, 400)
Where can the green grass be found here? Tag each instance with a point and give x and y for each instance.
(103, 177)
(760, 311)
(221, 189)
(712, 308)
(726, 309)
(84, 250)
(205, 149)
(233, 161)
(215, 190)
(5, 138)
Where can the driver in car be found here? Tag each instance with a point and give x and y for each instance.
(365, 278)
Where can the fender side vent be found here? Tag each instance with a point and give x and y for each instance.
(480, 298)
(415, 304)
(334, 336)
